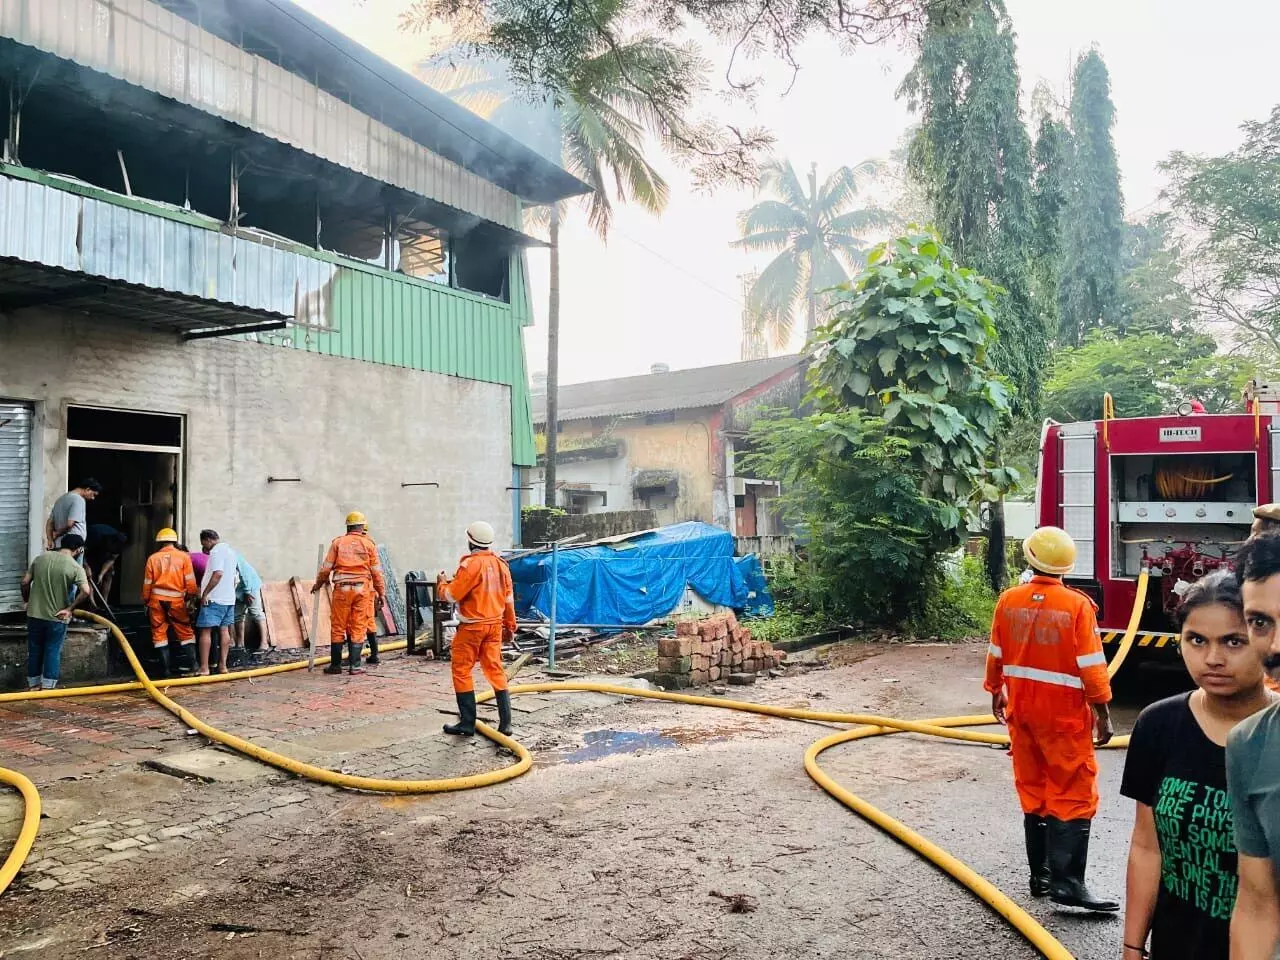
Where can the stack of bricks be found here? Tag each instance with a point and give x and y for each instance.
(710, 651)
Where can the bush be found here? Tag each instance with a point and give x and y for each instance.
(958, 601)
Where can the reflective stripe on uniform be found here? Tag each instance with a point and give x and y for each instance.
(167, 594)
(1098, 659)
(994, 651)
(1044, 676)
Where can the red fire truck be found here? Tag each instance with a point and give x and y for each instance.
(1175, 493)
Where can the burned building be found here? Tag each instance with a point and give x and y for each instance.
(252, 277)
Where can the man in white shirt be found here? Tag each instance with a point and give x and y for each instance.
(217, 600)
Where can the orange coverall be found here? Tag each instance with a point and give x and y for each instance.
(1045, 650)
(167, 581)
(486, 607)
(371, 598)
(352, 565)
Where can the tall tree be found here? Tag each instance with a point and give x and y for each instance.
(550, 45)
(973, 153)
(1090, 287)
(1231, 205)
(819, 234)
(598, 128)
(1052, 152)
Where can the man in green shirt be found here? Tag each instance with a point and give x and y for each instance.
(1253, 767)
(48, 582)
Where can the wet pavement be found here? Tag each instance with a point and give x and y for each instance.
(637, 820)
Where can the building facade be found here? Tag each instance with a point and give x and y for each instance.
(670, 441)
(253, 277)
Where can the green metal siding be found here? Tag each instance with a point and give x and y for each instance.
(384, 318)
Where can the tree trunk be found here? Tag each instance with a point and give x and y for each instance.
(997, 566)
(553, 360)
(811, 293)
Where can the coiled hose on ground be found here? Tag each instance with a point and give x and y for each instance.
(866, 726)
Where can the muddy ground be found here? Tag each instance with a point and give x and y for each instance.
(644, 830)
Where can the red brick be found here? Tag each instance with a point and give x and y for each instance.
(700, 677)
(669, 647)
(687, 628)
(675, 664)
(715, 673)
(731, 619)
(746, 634)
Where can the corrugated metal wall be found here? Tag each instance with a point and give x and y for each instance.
(144, 44)
(46, 225)
(15, 500)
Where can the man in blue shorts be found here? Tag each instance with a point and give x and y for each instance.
(217, 600)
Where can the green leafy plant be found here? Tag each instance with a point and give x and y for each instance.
(909, 343)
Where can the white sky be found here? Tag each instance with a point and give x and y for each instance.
(1184, 77)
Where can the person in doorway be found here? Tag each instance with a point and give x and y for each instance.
(217, 600)
(68, 515)
(102, 552)
(1182, 863)
(1047, 677)
(168, 586)
(482, 590)
(249, 603)
(352, 565)
(1253, 767)
(52, 577)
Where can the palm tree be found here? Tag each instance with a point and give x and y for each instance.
(596, 131)
(818, 235)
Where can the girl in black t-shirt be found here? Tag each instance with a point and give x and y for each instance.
(1182, 858)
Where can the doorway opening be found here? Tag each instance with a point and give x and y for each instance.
(137, 457)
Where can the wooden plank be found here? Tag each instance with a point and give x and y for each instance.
(282, 617)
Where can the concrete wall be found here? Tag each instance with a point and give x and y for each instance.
(352, 431)
(684, 447)
(538, 527)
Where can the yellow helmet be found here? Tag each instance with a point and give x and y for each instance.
(356, 519)
(1050, 550)
(167, 535)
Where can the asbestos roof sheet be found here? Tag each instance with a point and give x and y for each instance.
(659, 392)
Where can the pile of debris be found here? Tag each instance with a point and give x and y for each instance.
(709, 650)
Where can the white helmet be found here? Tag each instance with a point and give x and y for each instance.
(480, 534)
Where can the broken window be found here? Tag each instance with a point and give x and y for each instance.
(422, 251)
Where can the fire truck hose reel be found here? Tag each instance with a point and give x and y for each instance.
(865, 726)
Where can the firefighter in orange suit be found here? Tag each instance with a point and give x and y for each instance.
(1047, 677)
(168, 582)
(352, 565)
(487, 617)
(371, 614)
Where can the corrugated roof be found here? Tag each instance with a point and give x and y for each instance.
(658, 392)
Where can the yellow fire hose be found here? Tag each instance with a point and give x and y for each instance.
(867, 726)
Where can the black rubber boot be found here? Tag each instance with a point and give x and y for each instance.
(373, 660)
(1068, 860)
(504, 712)
(335, 658)
(466, 725)
(166, 662)
(187, 664)
(354, 647)
(1037, 834)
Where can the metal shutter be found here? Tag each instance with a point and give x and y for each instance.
(1079, 449)
(15, 500)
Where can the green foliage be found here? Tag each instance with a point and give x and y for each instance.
(959, 601)
(537, 511)
(852, 483)
(1089, 293)
(1052, 153)
(1145, 373)
(974, 156)
(909, 343)
(818, 232)
(1232, 206)
(1153, 297)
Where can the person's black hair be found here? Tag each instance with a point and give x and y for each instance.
(89, 483)
(71, 541)
(208, 534)
(182, 547)
(1259, 558)
(1220, 586)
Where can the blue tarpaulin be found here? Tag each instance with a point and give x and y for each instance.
(641, 578)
